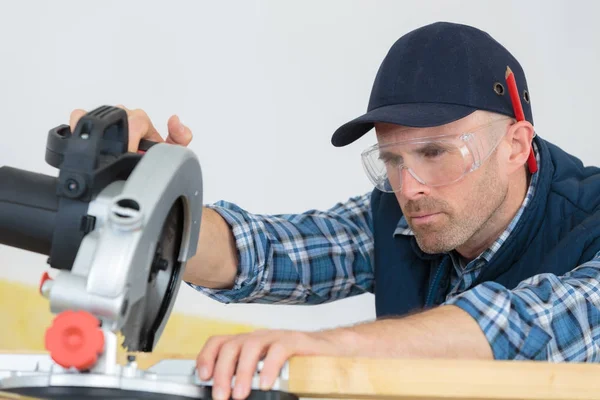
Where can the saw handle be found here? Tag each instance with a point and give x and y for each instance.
(28, 208)
(145, 145)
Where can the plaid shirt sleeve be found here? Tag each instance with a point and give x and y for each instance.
(546, 317)
(308, 258)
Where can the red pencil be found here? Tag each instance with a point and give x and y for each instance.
(518, 109)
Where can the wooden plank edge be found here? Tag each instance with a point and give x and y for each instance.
(367, 378)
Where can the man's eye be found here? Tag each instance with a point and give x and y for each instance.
(433, 153)
(392, 162)
(390, 159)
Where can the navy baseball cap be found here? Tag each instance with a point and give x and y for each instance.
(438, 74)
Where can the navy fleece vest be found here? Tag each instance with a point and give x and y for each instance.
(559, 230)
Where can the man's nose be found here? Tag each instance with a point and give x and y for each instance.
(411, 185)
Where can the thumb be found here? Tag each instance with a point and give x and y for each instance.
(178, 132)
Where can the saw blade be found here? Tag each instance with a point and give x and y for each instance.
(163, 277)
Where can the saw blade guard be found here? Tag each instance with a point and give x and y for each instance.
(121, 272)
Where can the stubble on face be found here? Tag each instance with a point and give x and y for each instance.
(466, 209)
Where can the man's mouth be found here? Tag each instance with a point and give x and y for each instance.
(424, 218)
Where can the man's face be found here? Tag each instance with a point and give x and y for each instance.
(445, 217)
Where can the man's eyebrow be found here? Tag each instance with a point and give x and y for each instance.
(431, 146)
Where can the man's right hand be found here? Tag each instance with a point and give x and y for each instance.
(140, 127)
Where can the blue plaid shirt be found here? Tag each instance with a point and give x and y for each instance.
(320, 256)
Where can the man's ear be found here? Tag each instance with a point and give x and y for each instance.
(519, 137)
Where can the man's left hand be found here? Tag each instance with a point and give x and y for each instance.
(238, 355)
(442, 332)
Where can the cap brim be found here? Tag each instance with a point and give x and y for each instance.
(418, 115)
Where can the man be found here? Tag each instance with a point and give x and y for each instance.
(480, 239)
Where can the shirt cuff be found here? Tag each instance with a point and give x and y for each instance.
(505, 320)
(249, 273)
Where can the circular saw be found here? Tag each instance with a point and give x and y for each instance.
(118, 226)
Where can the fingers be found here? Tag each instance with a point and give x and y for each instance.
(140, 127)
(252, 351)
(238, 357)
(205, 361)
(224, 369)
(178, 132)
(224, 357)
(75, 117)
(276, 357)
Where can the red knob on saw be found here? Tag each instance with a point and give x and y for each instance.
(75, 339)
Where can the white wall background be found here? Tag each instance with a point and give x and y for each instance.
(263, 85)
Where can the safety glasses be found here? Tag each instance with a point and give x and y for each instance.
(432, 161)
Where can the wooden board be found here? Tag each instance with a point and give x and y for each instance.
(326, 377)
